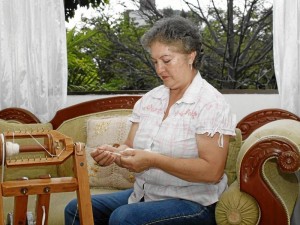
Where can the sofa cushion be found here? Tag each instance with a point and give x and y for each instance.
(236, 207)
(107, 130)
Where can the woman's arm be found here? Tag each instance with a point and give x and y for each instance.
(131, 135)
(209, 167)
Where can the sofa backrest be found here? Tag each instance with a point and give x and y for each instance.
(94, 106)
(76, 127)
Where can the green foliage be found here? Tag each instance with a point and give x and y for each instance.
(121, 61)
(82, 71)
(72, 5)
(106, 54)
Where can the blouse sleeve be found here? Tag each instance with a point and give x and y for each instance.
(136, 112)
(216, 117)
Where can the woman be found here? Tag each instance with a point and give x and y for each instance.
(177, 144)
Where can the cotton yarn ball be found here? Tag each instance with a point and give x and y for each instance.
(12, 148)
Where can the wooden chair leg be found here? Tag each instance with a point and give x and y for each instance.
(83, 192)
(42, 209)
(20, 210)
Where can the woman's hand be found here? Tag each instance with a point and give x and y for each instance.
(136, 160)
(105, 155)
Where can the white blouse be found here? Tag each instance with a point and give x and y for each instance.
(202, 109)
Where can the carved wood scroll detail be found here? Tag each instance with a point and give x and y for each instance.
(18, 114)
(257, 119)
(252, 182)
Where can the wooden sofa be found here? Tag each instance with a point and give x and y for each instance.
(261, 165)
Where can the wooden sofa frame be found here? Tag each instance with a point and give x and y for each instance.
(288, 159)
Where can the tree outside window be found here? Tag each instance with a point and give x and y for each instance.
(106, 55)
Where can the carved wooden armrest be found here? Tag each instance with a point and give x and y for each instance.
(18, 114)
(252, 179)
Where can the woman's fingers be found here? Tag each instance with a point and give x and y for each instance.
(103, 157)
(128, 152)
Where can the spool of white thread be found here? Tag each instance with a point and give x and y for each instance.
(12, 148)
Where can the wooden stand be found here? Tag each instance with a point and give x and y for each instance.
(43, 187)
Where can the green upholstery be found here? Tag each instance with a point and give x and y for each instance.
(280, 183)
(15, 126)
(235, 143)
(236, 207)
(76, 128)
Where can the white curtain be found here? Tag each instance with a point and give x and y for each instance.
(33, 56)
(286, 31)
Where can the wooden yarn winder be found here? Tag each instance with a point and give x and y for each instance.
(58, 148)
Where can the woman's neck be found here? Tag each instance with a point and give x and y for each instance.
(176, 94)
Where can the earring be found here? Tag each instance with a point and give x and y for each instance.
(191, 65)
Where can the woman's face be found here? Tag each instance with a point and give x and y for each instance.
(172, 67)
